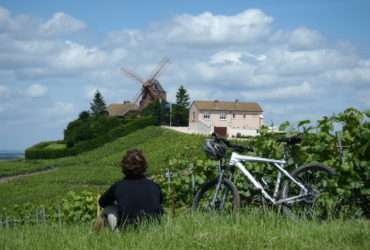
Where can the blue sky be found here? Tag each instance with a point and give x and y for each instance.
(297, 59)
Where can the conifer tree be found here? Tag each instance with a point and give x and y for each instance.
(181, 108)
(98, 105)
(182, 97)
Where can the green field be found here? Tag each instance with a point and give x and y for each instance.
(248, 230)
(94, 170)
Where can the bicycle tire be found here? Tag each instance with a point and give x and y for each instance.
(312, 175)
(204, 196)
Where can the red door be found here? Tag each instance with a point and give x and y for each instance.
(222, 131)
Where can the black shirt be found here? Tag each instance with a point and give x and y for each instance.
(135, 197)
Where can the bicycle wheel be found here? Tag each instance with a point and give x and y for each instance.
(314, 176)
(227, 199)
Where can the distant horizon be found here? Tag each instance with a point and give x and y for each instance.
(11, 154)
(11, 150)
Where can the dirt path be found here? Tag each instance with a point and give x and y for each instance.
(12, 177)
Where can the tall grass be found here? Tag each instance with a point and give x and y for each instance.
(198, 231)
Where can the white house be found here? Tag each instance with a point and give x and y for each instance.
(225, 118)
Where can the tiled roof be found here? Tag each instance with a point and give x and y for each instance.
(121, 109)
(228, 106)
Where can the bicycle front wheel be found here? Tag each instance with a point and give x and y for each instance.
(227, 198)
(315, 177)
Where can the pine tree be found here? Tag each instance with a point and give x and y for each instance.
(98, 105)
(181, 108)
(182, 97)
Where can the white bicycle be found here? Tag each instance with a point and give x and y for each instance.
(297, 196)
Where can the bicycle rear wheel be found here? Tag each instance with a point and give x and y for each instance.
(314, 176)
(227, 199)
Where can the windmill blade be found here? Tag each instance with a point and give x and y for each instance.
(132, 75)
(132, 104)
(137, 96)
(161, 66)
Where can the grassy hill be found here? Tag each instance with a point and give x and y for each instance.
(94, 170)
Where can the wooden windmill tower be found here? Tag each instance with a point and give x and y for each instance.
(151, 89)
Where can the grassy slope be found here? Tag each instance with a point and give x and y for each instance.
(192, 231)
(93, 170)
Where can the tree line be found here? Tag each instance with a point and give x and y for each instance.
(96, 121)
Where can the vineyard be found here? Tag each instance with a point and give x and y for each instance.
(178, 164)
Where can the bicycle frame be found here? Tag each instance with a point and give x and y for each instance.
(237, 159)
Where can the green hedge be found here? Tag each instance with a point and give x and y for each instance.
(40, 150)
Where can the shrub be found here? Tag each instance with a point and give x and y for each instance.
(40, 150)
(47, 150)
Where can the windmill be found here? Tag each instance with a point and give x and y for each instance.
(150, 90)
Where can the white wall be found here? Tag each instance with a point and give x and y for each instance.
(200, 128)
(247, 132)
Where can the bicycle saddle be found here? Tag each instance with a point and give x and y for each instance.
(291, 140)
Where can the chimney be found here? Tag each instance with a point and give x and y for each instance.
(126, 102)
(215, 104)
(236, 102)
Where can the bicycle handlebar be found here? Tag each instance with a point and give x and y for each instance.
(237, 148)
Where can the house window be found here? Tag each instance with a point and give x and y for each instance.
(234, 115)
(223, 116)
(244, 116)
(193, 115)
(206, 116)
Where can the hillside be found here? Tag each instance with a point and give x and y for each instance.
(94, 170)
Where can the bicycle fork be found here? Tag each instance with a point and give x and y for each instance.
(218, 186)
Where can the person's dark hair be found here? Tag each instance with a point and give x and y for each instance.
(133, 163)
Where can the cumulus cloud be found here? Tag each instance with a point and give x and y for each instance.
(304, 38)
(226, 57)
(246, 27)
(357, 75)
(205, 29)
(36, 90)
(28, 27)
(61, 23)
(302, 92)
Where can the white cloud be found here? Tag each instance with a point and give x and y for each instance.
(59, 109)
(61, 23)
(205, 29)
(76, 56)
(358, 75)
(304, 38)
(233, 57)
(302, 92)
(90, 91)
(222, 57)
(36, 90)
(29, 27)
(303, 62)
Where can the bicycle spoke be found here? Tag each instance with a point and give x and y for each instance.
(312, 177)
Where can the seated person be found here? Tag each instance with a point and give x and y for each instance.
(134, 197)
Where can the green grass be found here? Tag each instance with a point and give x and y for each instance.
(247, 230)
(94, 170)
